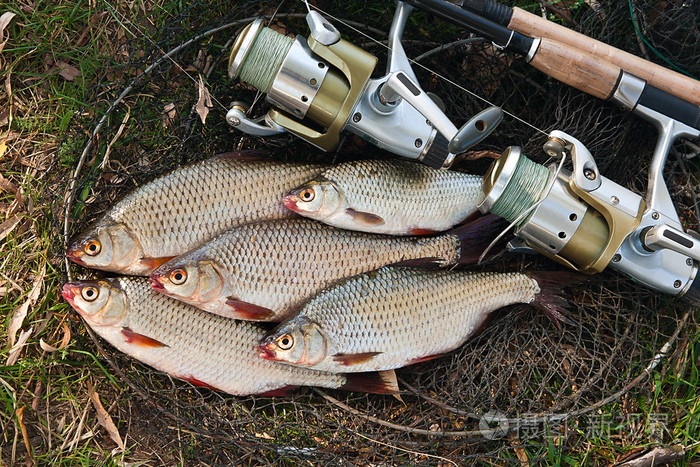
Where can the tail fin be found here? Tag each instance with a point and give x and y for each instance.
(475, 236)
(382, 382)
(550, 299)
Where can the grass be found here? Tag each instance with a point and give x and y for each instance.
(50, 388)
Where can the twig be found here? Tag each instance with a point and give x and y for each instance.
(402, 449)
(105, 159)
(415, 431)
(448, 46)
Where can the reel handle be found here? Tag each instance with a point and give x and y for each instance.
(399, 85)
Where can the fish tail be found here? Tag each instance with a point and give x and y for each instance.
(475, 236)
(550, 299)
(380, 382)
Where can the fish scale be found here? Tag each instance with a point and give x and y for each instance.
(393, 317)
(183, 209)
(196, 346)
(278, 265)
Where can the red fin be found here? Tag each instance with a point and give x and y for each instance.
(155, 263)
(348, 359)
(424, 359)
(474, 237)
(248, 311)
(250, 155)
(198, 383)
(549, 299)
(279, 392)
(139, 339)
(366, 218)
(419, 231)
(374, 383)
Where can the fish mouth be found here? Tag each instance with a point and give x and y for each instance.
(157, 280)
(266, 353)
(290, 202)
(75, 254)
(69, 293)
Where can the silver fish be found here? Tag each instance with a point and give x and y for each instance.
(266, 270)
(193, 345)
(395, 197)
(395, 317)
(181, 210)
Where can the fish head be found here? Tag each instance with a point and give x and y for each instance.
(109, 246)
(317, 199)
(193, 280)
(299, 341)
(100, 303)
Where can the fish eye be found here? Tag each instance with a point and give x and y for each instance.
(93, 247)
(89, 293)
(285, 342)
(307, 194)
(178, 276)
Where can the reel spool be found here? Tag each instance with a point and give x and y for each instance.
(312, 86)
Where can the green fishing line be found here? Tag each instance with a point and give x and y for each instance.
(524, 189)
(653, 49)
(265, 58)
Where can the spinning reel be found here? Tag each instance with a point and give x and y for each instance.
(588, 222)
(320, 86)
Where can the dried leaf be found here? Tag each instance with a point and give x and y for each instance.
(104, 419)
(7, 185)
(9, 225)
(64, 342)
(4, 21)
(13, 354)
(67, 72)
(46, 347)
(169, 115)
(204, 102)
(25, 435)
(21, 311)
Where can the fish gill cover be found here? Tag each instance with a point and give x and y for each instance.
(545, 385)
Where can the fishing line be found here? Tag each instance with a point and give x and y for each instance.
(516, 199)
(653, 49)
(461, 88)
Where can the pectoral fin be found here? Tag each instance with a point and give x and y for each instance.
(280, 392)
(248, 311)
(419, 231)
(348, 359)
(155, 263)
(366, 218)
(139, 339)
(424, 359)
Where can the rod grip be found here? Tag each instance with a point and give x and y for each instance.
(576, 68)
(670, 81)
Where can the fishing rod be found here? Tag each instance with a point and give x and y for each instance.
(570, 65)
(320, 85)
(532, 25)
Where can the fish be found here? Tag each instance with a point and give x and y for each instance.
(395, 317)
(265, 271)
(393, 197)
(181, 210)
(193, 345)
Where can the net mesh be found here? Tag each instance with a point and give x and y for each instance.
(521, 383)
